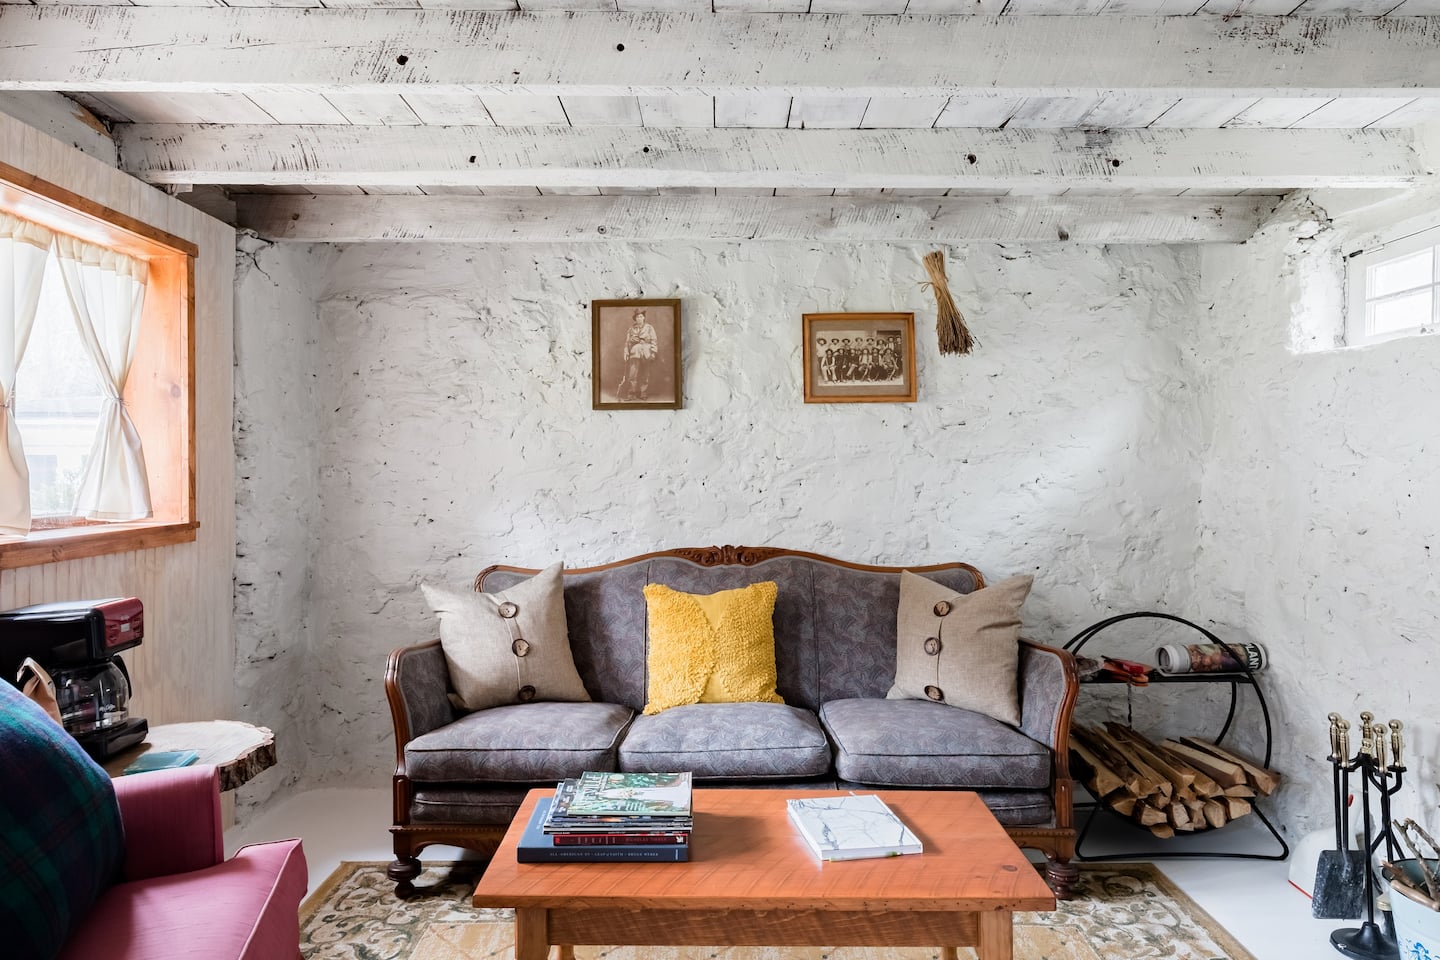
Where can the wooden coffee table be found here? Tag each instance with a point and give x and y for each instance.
(752, 882)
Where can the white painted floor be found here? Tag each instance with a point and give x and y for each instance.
(1251, 899)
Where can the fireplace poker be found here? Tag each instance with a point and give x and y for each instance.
(1336, 893)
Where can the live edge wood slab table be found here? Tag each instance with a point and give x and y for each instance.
(751, 881)
(237, 750)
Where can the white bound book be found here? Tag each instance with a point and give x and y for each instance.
(851, 827)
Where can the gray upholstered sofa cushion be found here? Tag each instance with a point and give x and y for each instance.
(915, 743)
(472, 803)
(520, 743)
(1019, 807)
(728, 741)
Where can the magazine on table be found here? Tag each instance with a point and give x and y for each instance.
(851, 827)
(161, 760)
(630, 794)
(559, 822)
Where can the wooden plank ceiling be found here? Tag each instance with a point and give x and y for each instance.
(939, 119)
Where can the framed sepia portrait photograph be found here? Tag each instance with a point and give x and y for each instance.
(859, 357)
(635, 351)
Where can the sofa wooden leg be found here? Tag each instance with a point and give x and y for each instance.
(1062, 876)
(403, 871)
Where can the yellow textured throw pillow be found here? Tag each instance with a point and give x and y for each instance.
(716, 648)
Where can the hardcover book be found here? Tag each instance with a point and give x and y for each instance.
(851, 827)
(536, 846)
(601, 839)
(631, 794)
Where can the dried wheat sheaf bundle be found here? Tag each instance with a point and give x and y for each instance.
(949, 322)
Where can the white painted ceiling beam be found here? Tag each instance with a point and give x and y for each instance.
(63, 119)
(216, 49)
(1151, 160)
(949, 220)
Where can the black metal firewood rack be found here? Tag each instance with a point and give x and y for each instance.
(1244, 678)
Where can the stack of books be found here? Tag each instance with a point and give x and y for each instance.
(609, 817)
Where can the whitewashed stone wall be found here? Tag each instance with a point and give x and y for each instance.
(453, 429)
(1320, 522)
(278, 425)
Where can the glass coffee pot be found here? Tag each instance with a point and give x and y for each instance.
(95, 696)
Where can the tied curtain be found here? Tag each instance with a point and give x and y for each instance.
(24, 247)
(107, 294)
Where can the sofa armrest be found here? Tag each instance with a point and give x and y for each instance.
(171, 820)
(277, 904)
(417, 684)
(1049, 685)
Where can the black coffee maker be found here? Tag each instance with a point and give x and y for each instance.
(78, 643)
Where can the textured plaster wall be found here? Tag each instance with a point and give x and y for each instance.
(449, 427)
(1320, 522)
(278, 427)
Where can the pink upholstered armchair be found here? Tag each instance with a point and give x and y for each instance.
(179, 897)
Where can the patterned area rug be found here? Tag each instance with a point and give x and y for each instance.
(1121, 912)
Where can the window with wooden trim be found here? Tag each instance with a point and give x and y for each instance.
(1394, 289)
(97, 405)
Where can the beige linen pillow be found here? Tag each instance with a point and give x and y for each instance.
(960, 649)
(508, 647)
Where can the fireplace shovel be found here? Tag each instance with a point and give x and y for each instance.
(1340, 875)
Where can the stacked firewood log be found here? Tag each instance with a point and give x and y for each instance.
(1169, 787)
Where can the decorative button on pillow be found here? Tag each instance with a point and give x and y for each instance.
(715, 648)
(960, 649)
(508, 647)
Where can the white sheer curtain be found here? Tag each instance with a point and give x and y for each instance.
(107, 294)
(24, 247)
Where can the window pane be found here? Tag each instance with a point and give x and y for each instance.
(1404, 273)
(1408, 312)
(57, 402)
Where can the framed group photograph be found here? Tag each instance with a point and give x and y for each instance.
(635, 352)
(859, 357)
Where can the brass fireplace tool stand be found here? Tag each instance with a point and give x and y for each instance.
(1385, 775)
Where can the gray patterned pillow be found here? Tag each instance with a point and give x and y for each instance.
(960, 649)
(508, 647)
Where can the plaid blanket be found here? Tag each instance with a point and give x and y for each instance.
(61, 842)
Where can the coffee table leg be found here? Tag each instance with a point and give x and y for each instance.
(567, 951)
(532, 936)
(949, 953)
(997, 934)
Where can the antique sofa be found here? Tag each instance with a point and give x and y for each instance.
(460, 776)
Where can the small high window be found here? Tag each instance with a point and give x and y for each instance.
(1395, 289)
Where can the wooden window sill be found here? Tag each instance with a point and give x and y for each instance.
(75, 543)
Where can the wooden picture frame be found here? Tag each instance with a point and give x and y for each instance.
(622, 377)
(859, 357)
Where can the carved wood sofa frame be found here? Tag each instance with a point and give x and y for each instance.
(1056, 840)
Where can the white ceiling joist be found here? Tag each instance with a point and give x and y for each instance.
(949, 220)
(1151, 160)
(205, 49)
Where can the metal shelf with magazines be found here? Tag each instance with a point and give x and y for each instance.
(1183, 787)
